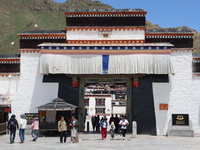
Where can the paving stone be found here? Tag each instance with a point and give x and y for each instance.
(94, 142)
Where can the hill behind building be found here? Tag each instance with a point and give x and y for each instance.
(19, 15)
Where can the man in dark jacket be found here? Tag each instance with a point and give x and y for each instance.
(93, 122)
(12, 126)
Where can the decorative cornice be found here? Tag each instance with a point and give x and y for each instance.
(29, 50)
(182, 49)
(43, 36)
(102, 47)
(196, 60)
(169, 35)
(104, 28)
(196, 74)
(8, 74)
(96, 95)
(104, 41)
(105, 14)
(105, 50)
(9, 61)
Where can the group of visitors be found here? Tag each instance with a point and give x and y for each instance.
(114, 126)
(62, 128)
(13, 125)
(95, 123)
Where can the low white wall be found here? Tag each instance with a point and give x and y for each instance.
(161, 92)
(114, 35)
(119, 110)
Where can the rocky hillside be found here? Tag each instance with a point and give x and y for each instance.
(19, 15)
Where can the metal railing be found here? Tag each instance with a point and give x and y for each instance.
(3, 128)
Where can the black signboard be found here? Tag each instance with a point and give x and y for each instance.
(29, 117)
(180, 119)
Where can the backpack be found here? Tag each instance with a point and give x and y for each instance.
(112, 128)
(12, 125)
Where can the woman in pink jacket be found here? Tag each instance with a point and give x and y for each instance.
(35, 128)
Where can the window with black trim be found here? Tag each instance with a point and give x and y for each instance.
(105, 35)
(86, 101)
(100, 101)
(100, 110)
(196, 65)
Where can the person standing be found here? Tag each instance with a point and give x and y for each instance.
(93, 122)
(104, 125)
(112, 129)
(97, 119)
(35, 128)
(62, 128)
(74, 130)
(22, 127)
(116, 121)
(12, 127)
(123, 123)
(112, 119)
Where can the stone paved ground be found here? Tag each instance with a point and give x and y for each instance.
(94, 142)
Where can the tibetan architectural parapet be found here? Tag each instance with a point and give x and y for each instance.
(182, 49)
(106, 29)
(105, 13)
(196, 74)
(169, 35)
(104, 41)
(29, 50)
(43, 36)
(9, 64)
(196, 59)
(180, 38)
(105, 17)
(9, 60)
(9, 75)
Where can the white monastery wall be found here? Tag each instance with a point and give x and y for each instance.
(8, 86)
(195, 98)
(119, 110)
(180, 94)
(30, 91)
(114, 35)
(91, 108)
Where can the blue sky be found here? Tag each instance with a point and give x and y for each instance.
(165, 13)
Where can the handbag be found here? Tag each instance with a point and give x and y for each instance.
(67, 134)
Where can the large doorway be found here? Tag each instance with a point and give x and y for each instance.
(104, 97)
(103, 100)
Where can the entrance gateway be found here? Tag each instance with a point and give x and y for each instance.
(140, 103)
(112, 45)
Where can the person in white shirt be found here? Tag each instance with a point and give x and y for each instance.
(123, 123)
(22, 127)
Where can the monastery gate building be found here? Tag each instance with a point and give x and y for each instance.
(107, 46)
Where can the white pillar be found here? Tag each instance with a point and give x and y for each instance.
(134, 129)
